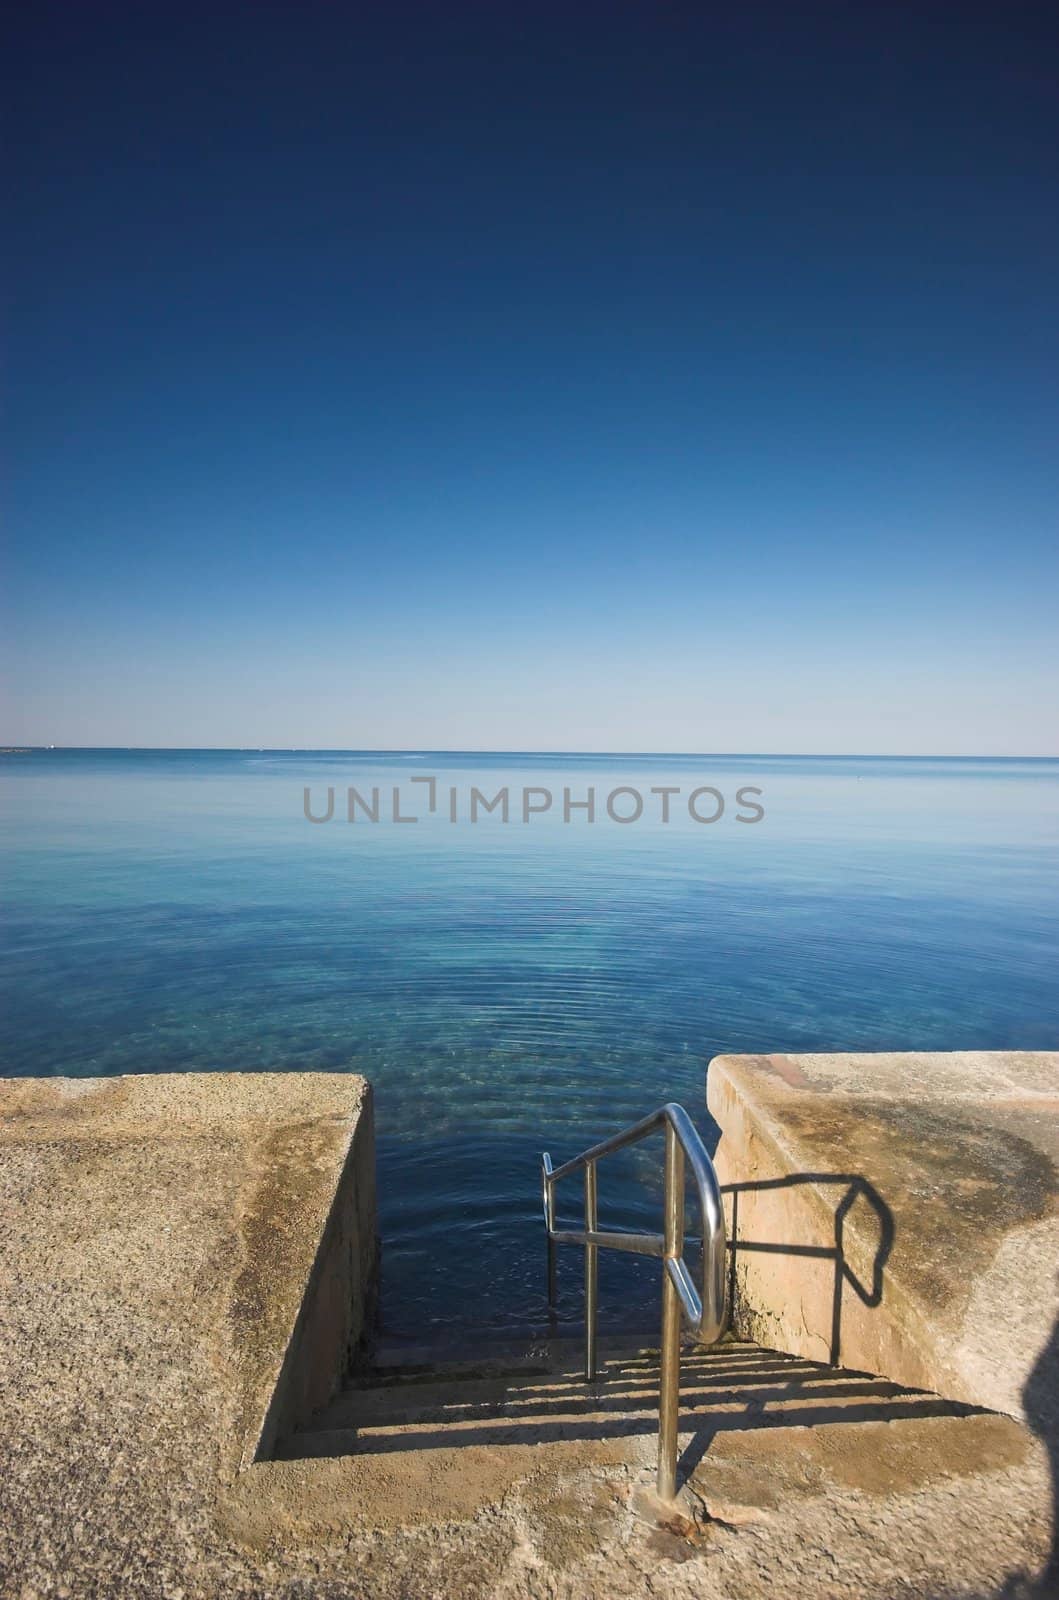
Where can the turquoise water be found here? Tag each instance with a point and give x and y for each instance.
(520, 986)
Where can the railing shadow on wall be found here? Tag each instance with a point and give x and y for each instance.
(852, 1187)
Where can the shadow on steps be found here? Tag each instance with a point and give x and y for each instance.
(733, 1387)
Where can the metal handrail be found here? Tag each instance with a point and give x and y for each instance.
(704, 1311)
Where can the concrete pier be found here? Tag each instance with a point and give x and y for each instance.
(899, 1214)
(187, 1265)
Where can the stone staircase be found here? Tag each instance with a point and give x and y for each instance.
(537, 1394)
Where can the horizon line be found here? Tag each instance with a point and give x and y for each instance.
(453, 750)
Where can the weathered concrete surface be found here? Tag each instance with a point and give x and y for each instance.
(156, 1236)
(928, 1186)
(186, 1263)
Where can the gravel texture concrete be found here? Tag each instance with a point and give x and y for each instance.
(170, 1255)
(900, 1214)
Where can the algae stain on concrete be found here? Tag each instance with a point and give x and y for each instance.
(958, 1188)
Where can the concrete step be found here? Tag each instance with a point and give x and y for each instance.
(459, 1405)
(467, 1391)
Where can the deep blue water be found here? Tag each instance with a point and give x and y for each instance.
(520, 986)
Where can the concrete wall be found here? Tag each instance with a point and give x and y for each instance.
(899, 1214)
(337, 1315)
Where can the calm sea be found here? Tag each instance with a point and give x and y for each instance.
(513, 987)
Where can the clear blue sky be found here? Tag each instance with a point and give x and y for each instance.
(526, 376)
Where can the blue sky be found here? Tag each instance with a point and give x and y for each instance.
(585, 377)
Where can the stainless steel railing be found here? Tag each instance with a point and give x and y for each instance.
(705, 1311)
